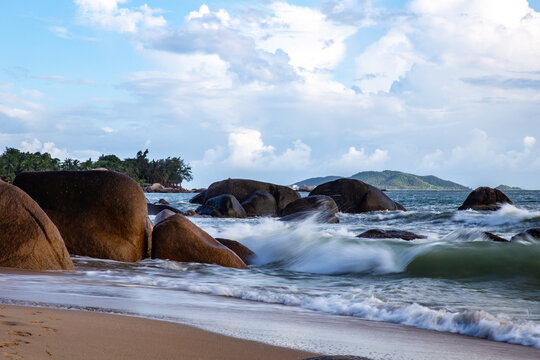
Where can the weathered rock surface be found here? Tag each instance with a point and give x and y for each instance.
(242, 189)
(199, 198)
(101, 214)
(260, 203)
(222, 206)
(321, 207)
(355, 196)
(485, 198)
(239, 249)
(390, 234)
(178, 239)
(28, 238)
(162, 215)
(531, 234)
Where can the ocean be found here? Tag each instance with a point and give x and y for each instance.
(454, 281)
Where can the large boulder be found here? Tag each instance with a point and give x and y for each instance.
(199, 198)
(242, 189)
(390, 234)
(355, 196)
(178, 239)
(320, 207)
(260, 203)
(485, 198)
(28, 238)
(239, 249)
(222, 206)
(163, 214)
(101, 214)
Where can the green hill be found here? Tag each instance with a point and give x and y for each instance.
(508, 188)
(393, 180)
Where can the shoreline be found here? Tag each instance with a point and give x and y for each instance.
(43, 333)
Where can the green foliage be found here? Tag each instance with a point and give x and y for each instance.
(140, 168)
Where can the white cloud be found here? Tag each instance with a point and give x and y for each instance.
(48, 147)
(529, 141)
(60, 32)
(107, 129)
(355, 160)
(64, 80)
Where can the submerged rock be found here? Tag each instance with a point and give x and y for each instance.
(222, 206)
(390, 234)
(260, 203)
(485, 198)
(494, 237)
(28, 238)
(355, 196)
(101, 214)
(239, 249)
(531, 234)
(178, 239)
(322, 208)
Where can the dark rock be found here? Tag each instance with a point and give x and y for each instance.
(163, 214)
(242, 251)
(191, 213)
(178, 239)
(322, 208)
(355, 196)
(494, 237)
(260, 203)
(243, 188)
(28, 238)
(531, 234)
(338, 357)
(154, 209)
(222, 206)
(101, 214)
(390, 234)
(485, 198)
(199, 198)
(163, 202)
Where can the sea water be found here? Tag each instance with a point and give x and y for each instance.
(456, 280)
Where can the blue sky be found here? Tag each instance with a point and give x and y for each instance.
(279, 90)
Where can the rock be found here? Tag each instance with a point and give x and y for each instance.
(531, 234)
(178, 239)
(28, 238)
(149, 229)
(485, 198)
(338, 357)
(242, 251)
(163, 202)
(163, 214)
(243, 188)
(191, 213)
(390, 234)
(101, 214)
(322, 207)
(260, 203)
(199, 198)
(154, 209)
(494, 237)
(355, 196)
(222, 206)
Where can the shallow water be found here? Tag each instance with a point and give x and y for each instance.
(456, 280)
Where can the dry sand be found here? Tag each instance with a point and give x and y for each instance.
(38, 333)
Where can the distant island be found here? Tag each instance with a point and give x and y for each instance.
(390, 180)
(507, 188)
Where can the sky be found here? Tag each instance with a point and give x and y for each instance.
(279, 91)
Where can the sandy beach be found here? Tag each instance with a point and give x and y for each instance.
(38, 333)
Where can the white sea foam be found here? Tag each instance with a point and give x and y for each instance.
(507, 214)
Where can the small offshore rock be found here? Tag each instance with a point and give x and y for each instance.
(485, 198)
(390, 234)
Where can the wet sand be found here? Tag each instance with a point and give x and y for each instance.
(38, 333)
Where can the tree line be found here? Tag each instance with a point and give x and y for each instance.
(140, 168)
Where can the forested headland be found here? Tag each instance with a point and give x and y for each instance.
(140, 168)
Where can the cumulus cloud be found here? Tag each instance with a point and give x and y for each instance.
(47, 147)
(529, 141)
(356, 160)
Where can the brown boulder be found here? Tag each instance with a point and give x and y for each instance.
(101, 214)
(178, 239)
(355, 196)
(260, 203)
(322, 208)
(28, 238)
(163, 214)
(243, 188)
(239, 249)
(485, 198)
